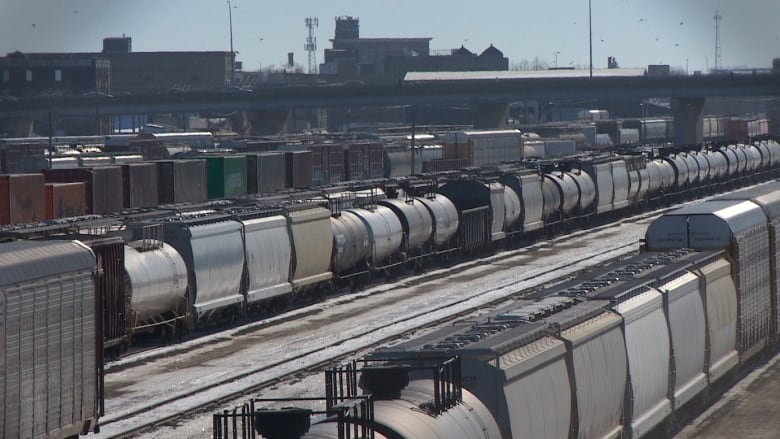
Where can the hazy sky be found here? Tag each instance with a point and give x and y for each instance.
(636, 32)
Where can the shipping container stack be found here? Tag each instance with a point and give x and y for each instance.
(150, 149)
(22, 198)
(181, 181)
(265, 172)
(23, 158)
(226, 176)
(103, 186)
(65, 200)
(139, 184)
(298, 167)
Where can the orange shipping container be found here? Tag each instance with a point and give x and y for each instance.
(21, 198)
(65, 200)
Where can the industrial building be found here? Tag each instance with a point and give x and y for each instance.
(391, 58)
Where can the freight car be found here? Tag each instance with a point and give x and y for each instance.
(337, 238)
(50, 340)
(628, 349)
(223, 260)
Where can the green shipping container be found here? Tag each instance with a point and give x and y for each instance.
(226, 176)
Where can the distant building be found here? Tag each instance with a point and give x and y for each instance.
(24, 74)
(353, 57)
(116, 68)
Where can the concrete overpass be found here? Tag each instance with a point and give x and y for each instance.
(488, 89)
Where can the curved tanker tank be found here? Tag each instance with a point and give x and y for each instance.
(753, 156)
(445, 219)
(351, 244)
(568, 191)
(156, 283)
(586, 188)
(681, 171)
(703, 164)
(742, 158)
(719, 165)
(385, 234)
(512, 207)
(416, 222)
(732, 161)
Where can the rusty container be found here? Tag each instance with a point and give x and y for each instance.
(65, 200)
(21, 198)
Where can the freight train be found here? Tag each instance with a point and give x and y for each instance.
(180, 267)
(629, 349)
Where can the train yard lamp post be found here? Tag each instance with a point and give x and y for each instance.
(590, 36)
(232, 53)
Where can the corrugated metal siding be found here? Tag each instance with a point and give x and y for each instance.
(497, 209)
(139, 182)
(598, 357)
(753, 286)
(533, 202)
(22, 198)
(268, 257)
(65, 200)
(721, 301)
(313, 244)
(647, 346)
(182, 181)
(688, 328)
(47, 339)
(537, 391)
(620, 179)
(219, 244)
(226, 176)
(605, 186)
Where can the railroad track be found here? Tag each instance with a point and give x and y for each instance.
(215, 393)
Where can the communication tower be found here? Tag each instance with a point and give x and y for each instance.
(311, 42)
(718, 18)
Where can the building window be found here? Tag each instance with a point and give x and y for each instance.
(58, 75)
(28, 75)
(6, 76)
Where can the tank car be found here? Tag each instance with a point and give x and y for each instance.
(156, 284)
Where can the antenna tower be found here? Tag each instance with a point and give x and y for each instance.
(718, 18)
(311, 42)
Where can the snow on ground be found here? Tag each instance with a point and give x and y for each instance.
(337, 326)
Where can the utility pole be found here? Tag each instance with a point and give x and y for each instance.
(232, 52)
(590, 36)
(718, 18)
(311, 43)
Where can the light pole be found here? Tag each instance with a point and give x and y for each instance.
(232, 53)
(590, 36)
(555, 61)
